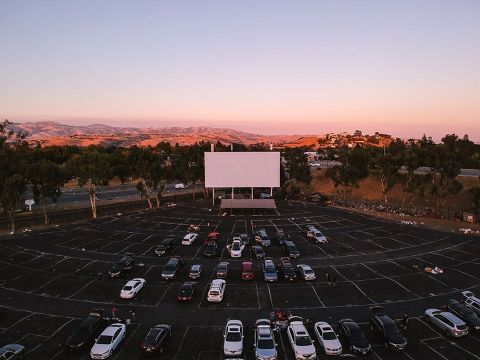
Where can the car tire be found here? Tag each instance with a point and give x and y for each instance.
(110, 353)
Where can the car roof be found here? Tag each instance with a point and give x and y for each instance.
(173, 260)
(217, 282)
(112, 328)
(196, 267)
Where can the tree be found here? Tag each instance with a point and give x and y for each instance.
(297, 164)
(91, 169)
(386, 168)
(14, 152)
(47, 179)
(141, 160)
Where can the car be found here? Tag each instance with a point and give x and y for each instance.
(281, 237)
(353, 335)
(288, 270)
(382, 325)
(327, 339)
(193, 228)
(316, 235)
(222, 270)
(121, 267)
(156, 339)
(108, 341)
(186, 291)
(195, 272)
(189, 239)
(258, 252)
(179, 186)
(86, 331)
(247, 270)
(132, 288)
(465, 313)
(165, 246)
(450, 324)
(306, 272)
(233, 338)
(212, 236)
(12, 352)
(172, 268)
(269, 270)
(300, 340)
(291, 250)
(261, 237)
(472, 301)
(217, 290)
(236, 248)
(264, 341)
(245, 238)
(210, 250)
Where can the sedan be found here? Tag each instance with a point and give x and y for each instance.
(258, 252)
(269, 270)
(465, 313)
(451, 325)
(210, 250)
(156, 339)
(108, 341)
(84, 334)
(386, 329)
(264, 341)
(222, 270)
(132, 288)
(306, 272)
(327, 338)
(354, 336)
(236, 248)
(185, 293)
(195, 271)
(12, 352)
(233, 338)
(217, 290)
(300, 341)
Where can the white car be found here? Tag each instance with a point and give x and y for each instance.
(327, 338)
(302, 344)
(236, 248)
(306, 272)
(264, 341)
(472, 301)
(189, 239)
(316, 235)
(132, 288)
(450, 325)
(108, 341)
(217, 290)
(233, 338)
(179, 186)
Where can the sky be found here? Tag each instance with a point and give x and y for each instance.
(271, 67)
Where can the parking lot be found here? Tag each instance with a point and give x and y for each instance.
(49, 280)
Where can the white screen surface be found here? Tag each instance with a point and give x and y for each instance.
(242, 169)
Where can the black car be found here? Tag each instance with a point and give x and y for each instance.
(88, 329)
(385, 327)
(354, 336)
(172, 268)
(245, 239)
(121, 267)
(465, 313)
(210, 250)
(222, 270)
(156, 339)
(165, 246)
(288, 270)
(258, 252)
(185, 293)
(261, 238)
(281, 237)
(291, 250)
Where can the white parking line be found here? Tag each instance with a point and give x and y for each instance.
(350, 281)
(130, 337)
(181, 343)
(81, 289)
(17, 322)
(49, 337)
(316, 294)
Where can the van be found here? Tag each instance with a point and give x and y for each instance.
(247, 270)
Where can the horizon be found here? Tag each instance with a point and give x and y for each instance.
(275, 68)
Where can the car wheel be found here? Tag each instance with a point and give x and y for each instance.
(386, 346)
(110, 353)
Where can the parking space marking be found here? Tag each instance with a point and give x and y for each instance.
(181, 343)
(125, 344)
(270, 295)
(353, 283)
(81, 289)
(431, 348)
(17, 322)
(51, 335)
(316, 294)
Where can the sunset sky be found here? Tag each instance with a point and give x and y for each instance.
(272, 67)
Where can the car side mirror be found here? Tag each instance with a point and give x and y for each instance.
(96, 340)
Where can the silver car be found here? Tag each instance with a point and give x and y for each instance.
(264, 341)
(12, 351)
(451, 325)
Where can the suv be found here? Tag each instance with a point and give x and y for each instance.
(210, 250)
(269, 270)
(165, 246)
(247, 270)
(217, 290)
(465, 313)
(291, 250)
(386, 328)
(354, 336)
(261, 237)
(121, 267)
(233, 338)
(288, 270)
(245, 239)
(264, 341)
(315, 235)
(281, 236)
(172, 268)
(212, 236)
(258, 252)
(451, 325)
(222, 270)
(195, 271)
(471, 301)
(302, 344)
(86, 331)
(306, 272)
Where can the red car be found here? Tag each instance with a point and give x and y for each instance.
(247, 270)
(213, 236)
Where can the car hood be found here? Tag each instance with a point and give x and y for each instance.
(76, 339)
(396, 338)
(100, 348)
(266, 352)
(473, 322)
(363, 343)
(332, 344)
(308, 349)
(233, 345)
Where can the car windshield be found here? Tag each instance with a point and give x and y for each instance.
(265, 344)
(170, 267)
(269, 269)
(462, 327)
(470, 315)
(391, 329)
(116, 267)
(236, 246)
(194, 270)
(105, 339)
(80, 331)
(127, 288)
(356, 334)
(308, 271)
(186, 289)
(233, 336)
(329, 335)
(318, 234)
(303, 340)
(151, 337)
